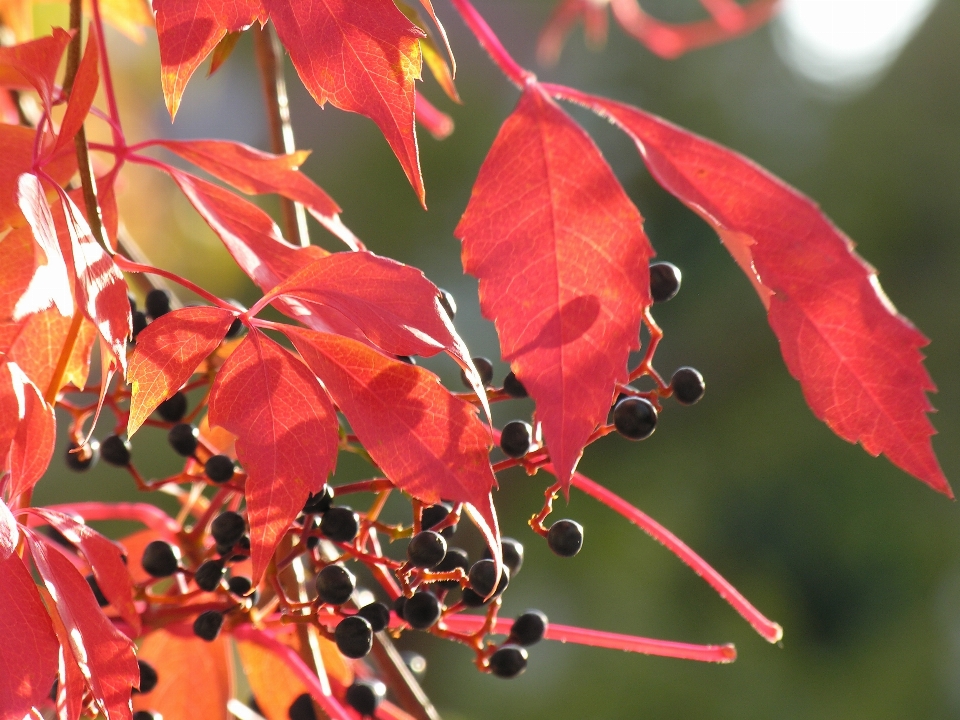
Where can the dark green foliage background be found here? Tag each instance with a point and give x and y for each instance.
(858, 562)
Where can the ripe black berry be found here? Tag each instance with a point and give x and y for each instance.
(208, 575)
(102, 600)
(483, 577)
(664, 281)
(146, 715)
(365, 696)
(335, 584)
(484, 370)
(240, 585)
(426, 549)
(433, 515)
(447, 301)
(160, 559)
(139, 323)
(565, 537)
(148, 677)
(228, 527)
(473, 598)
(422, 610)
(219, 468)
(377, 614)
(173, 408)
(302, 708)
(687, 385)
(635, 418)
(354, 637)
(512, 552)
(399, 604)
(515, 438)
(529, 628)
(79, 459)
(115, 450)
(455, 558)
(508, 661)
(183, 438)
(513, 387)
(157, 303)
(340, 524)
(319, 502)
(236, 327)
(407, 359)
(207, 625)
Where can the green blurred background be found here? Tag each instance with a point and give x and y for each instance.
(858, 562)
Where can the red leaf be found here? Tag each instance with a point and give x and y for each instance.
(287, 435)
(427, 441)
(188, 31)
(32, 445)
(84, 89)
(105, 655)
(168, 352)
(363, 56)
(273, 686)
(16, 158)
(255, 172)
(28, 664)
(857, 359)
(182, 661)
(562, 261)
(105, 559)
(34, 64)
(33, 204)
(39, 344)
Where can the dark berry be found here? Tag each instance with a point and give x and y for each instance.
(243, 544)
(433, 515)
(455, 558)
(59, 538)
(102, 600)
(146, 715)
(664, 281)
(508, 661)
(473, 598)
(447, 301)
(236, 327)
(365, 696)
(426, 549)
(635, 418)
(416, 662)
(484, 370)
(208, 575)
(354, 637)
(319, 502)
(183, 438)
(483, 577)
(160, 559)
(529, 628)
(239, 585)
(219, 468)
(133, 302)
(565, 537)
(157, 303)
(335, 584)
(513, 387)
(687, 385)
(139, 323)
(399, 604)
(228, 527)
(302, 708)
(115, 450)
(512, 553)
(377, 614)
(422, 610)
(207, 625)
(407, 359)
(83, 458)
(515, 438)
(148, 677)
(340, 524)
(173, 408)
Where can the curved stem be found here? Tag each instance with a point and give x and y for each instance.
(133, 267)
(491, 43)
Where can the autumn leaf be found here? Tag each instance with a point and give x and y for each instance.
(31, 446)
(84, 90)
(16, 158)
(182, 660)
(428, 442)
(287, 435)
(858, 360)
(562, 261)
(105, 656)
(273, 687)
(38, 346)
(34, 64)
(168, 352)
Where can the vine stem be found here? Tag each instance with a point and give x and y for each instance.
(269, 54)
(491, 43)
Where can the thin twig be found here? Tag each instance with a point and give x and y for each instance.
(270, 61)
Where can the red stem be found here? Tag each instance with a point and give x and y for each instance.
(491, 43)
(770, 631)
(115, 126)
(131, 266)
(153, 517)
